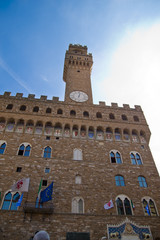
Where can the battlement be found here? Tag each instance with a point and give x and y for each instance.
(7, 95)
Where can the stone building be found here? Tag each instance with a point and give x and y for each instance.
(96, 155)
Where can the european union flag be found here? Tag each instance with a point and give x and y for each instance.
(46, 194)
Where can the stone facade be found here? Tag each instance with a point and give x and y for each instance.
(95, 131)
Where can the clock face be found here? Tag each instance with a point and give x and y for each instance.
(78, 96)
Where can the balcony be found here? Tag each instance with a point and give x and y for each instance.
(32, 207)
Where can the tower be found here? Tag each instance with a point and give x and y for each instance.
(77, 71)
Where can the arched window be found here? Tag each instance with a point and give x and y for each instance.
(111, 116)
(22, 108)
(29, 127)
(9, 201)
(136, 118)
(119, 180)
(77, 154)
(48, 110)
(85, 114)
(2, 148)
(75, 131)
(47, 152)
(67, 130)
(142, 181)
(72, 113)
(100, 133)
(123, 205)
(77, 205)
(78, 179)
(126, 135)
(124, 117)
(36, 109)
(99, 115)
(135, 158)
(9, 106)
(58, 130)
(149, 207)
(24, 150)
(59, 111)
(135, 136)
(15, 198)
(91, 132)
(142, 137)
(115, 157)
(48, 129)
(83, 132)
(117, 134)
(2, 124)
(109, 134)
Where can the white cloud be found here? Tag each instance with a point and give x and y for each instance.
(134, 77)
(44, 78)
(6, 68)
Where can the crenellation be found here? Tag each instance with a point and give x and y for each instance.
(114, 105)
(126, 106)
(7, 94)
(55, 99)
(44, 98)
(31, 96)
(101, 103)
(19, 95)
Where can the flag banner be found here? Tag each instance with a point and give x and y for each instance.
(40, 186)
(108, 205)
(46, 194)
(147, 209)
(18, 204)
(132, 205)
(21, 186)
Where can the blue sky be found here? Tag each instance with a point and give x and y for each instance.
(122, 35)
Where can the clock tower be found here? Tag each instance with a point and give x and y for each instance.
(77, 72)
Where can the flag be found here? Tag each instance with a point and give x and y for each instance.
(40, 186)
(18, 204)
(108, 205)
(133, 207)
(46, 194)
(147, 209)
(21, 186)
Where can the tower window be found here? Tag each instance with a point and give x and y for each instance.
(136, 118)
(119, 180)
(19, 169)
(36, 109)
(123, 205)
(149, 207)
(24, 150)
(2, 148)
(47, 170)
(85, 114)
(59, 111)
(9, 106)
(22, 108)
(99, 115)
(47, 152)
(111, 116)
(142, 181)
(124, 117)
(44, 183)
(135, 158)
(72, 113)
(115, 157)
(48, 110)
(77, 205)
